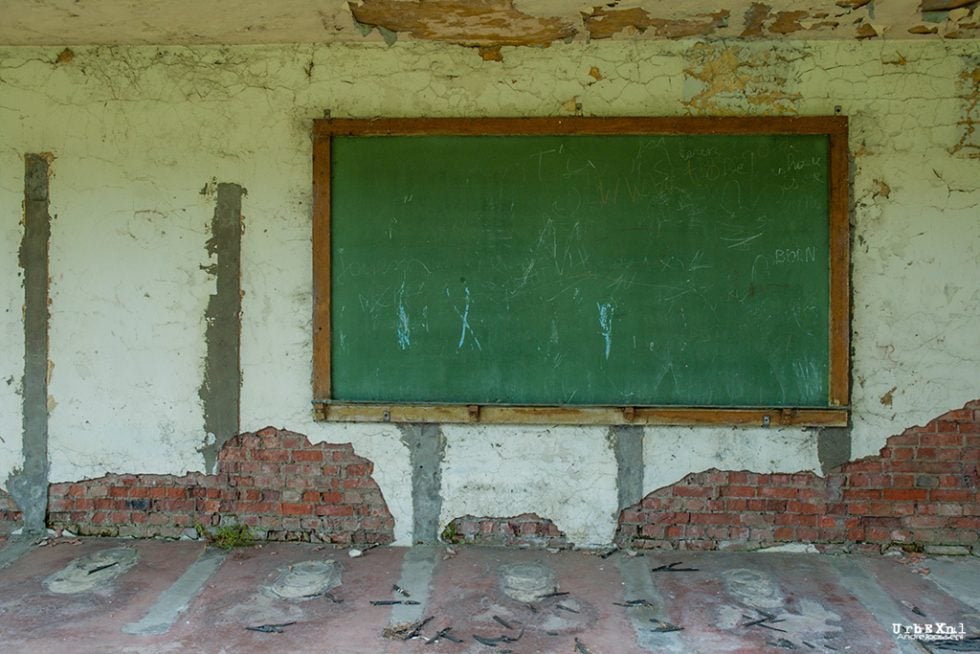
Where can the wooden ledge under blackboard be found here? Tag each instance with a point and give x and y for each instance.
(584, 415)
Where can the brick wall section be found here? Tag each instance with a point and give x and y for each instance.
(10, 515)
(274, 481)
(525, 530)
(920, 491)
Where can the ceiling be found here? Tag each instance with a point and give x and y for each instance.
(487, 24)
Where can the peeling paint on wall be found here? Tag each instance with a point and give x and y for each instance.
(944, 5)
(969, 124)
(468, 22)
(729, 79)
(604, 23)
(755, 17)
(761, 21)
(464, 22)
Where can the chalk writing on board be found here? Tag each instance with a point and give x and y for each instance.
(465, 327)
(739, 242)
(794, 165)
(795, 255)
(605, 324)
(522, 280)
(403, 329)
(354, 268)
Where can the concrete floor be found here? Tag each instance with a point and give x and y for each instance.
(111, 595)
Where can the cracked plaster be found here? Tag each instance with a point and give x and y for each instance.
(475, 22)
(136, 132)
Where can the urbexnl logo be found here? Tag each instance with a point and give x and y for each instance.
(931, 631)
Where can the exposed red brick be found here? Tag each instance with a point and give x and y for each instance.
(525, 530)
(270, 480)
(307, 455)
(904, 494)
(693, 491)
(921, 489)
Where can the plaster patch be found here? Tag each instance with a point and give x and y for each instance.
(305, 580)
(92, 571)
(526, 582)
(753, 588)
(255, 609)
(761, 592)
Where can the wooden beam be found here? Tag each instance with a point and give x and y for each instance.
(585, 415)
(321, 267)
(580, 125)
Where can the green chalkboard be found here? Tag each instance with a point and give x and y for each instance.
(581, 269)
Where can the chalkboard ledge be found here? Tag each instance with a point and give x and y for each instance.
(585, 415)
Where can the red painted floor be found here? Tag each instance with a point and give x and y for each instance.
(704, 602)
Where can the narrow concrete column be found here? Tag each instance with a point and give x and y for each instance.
(221, 390)
(29, 486)
(627, 443)
(833, 447)
(426, 445)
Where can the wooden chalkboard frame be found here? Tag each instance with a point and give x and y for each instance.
(837, 412)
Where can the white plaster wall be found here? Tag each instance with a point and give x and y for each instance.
(672, 453)
(11, 300)
(565, 474)
(916, 253)
(138, 132)
(127, 301)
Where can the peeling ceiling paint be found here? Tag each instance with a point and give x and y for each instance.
(487, 24)
(466, 22)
